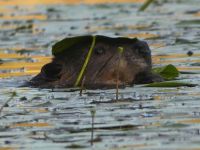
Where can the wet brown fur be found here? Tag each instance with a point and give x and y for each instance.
(135, 66)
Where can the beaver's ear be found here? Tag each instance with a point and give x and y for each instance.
(147, 77)
(51, 71)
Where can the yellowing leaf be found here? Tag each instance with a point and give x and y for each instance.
(117, 27)
(7, 148)
(157, 45)
(15, 74)
(188, 68)
(39, 110)
(197, 14)
(25, 17)
(190, 121)
(143, 35)
(9, 56)
(38, 124)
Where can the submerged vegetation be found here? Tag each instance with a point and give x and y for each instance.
(146, 4)
(12, 95)
(93, 112)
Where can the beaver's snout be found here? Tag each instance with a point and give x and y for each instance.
(51, 71)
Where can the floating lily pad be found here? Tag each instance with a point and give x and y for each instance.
(76, 146)
(189, 22)
(195, 64)
(188, 72)
(170, 84)
(168, 72)
(185, 41)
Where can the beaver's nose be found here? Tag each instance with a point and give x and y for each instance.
(51, 71)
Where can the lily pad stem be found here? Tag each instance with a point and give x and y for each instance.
(120, 51)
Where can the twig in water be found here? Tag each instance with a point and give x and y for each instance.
(145, 5)
(13, 94)
(82, 86)
(93, 112)
(120, 50)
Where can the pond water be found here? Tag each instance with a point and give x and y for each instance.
(144, 118)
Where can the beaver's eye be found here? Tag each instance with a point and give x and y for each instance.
(51, 71)
(99, 50)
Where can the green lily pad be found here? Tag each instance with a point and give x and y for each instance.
(69, 42)
(170, 84)
(168, 72)
(66, 43)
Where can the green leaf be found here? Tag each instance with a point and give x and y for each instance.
(67, 43)
(168, 72)
(170, 84)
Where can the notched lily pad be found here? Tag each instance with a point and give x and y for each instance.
(170, 84)
(168, 72)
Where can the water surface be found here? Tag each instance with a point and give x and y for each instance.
(145, 118)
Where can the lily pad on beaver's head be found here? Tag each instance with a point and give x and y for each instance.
(66, 43)
(69, 42)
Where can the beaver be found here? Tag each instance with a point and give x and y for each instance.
(69, 68)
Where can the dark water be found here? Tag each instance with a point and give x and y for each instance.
(145, 118)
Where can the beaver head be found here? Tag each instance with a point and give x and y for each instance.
(132, 66)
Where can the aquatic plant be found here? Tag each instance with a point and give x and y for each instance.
(146, 5)
(80, 76)
(120, 51)
(170, 84)
(168, 72)
(13, 94)
(82, 86)
(92, 112)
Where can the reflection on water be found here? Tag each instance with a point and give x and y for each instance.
(145, 118)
